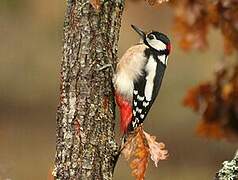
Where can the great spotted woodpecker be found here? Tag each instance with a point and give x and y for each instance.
(138, 77)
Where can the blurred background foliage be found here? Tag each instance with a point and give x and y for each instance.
(30, 54)
(11, 4)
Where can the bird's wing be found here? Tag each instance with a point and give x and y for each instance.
(141, 102)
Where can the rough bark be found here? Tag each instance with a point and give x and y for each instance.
(86, 147)
(229, 170)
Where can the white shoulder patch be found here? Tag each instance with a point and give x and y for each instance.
(151, 71)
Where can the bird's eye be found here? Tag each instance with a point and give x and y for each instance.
(150, 36)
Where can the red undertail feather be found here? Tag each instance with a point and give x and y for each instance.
(125, 112)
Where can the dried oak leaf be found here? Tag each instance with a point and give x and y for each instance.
(191, 99)
(210, 130)
(227, 90)
(96, 4)
(157, 151)
(193, 19)
(194, 96)
(139, 146)
(228, 11)
(217, 102)
(129, 148)
(191, 23)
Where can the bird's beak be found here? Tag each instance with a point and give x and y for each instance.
(139, 31)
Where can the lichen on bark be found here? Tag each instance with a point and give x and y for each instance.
(229, 170)
(85, 144)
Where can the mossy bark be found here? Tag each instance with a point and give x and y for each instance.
(86, 147)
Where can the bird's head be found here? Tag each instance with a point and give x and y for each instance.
(155, 40)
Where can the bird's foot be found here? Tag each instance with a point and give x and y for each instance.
(107, 66)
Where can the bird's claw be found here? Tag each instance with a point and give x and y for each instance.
(105, 67)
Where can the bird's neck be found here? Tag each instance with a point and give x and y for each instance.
(163, 59)
(159, 57)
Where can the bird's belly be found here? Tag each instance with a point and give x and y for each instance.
(124, 85)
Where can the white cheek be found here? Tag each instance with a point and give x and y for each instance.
(156, 44)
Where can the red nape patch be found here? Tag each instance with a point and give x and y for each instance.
(169, 47)
(125, 112)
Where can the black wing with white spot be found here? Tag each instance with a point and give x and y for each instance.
(141, 102)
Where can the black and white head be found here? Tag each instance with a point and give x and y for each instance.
(157, 41)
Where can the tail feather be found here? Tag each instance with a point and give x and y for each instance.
(125, 112)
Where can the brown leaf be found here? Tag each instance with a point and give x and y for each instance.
(191, 99)
(157, 151)
(191, 24)
(96, 4)
(196, 94)
(213, 14)
(228, 46)
(193, 19)
(137, 148)
(227, 90)
(129, 148)
(210, 130)
(217, 102)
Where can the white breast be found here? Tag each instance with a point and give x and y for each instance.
(129, 69)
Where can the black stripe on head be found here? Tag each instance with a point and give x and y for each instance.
(162, 37)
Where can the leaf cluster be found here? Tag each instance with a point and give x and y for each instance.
(139, 146)
(193, 20)
(217, 102)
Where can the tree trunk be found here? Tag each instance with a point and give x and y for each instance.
(86, 147)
